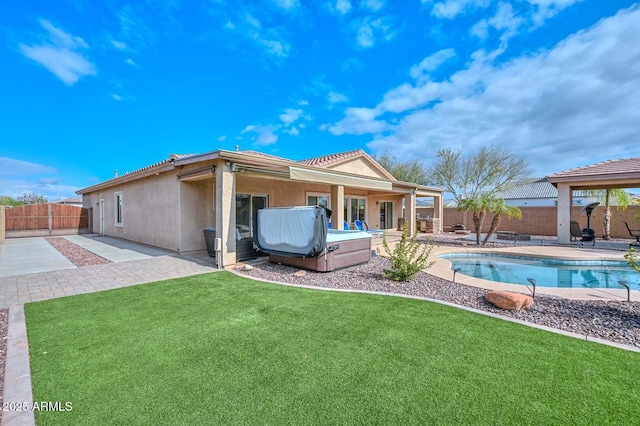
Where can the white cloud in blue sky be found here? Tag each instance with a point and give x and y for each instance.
(552, 79)
(60, 54)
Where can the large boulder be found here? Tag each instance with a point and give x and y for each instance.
(509, 301)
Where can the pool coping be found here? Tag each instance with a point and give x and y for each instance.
(442, 269)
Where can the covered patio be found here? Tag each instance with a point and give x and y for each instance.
(611, 174)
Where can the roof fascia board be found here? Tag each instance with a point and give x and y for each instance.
(161, 168)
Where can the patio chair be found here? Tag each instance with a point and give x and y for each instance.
(358, 224)
(373, 232)
(346, 226)
(583, 234)
(328, 225)
(635, 233)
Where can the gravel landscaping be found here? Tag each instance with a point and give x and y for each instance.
(611, 320)
(4, 323)
(76, 254)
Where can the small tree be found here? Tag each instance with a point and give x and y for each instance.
(413, 171)
(6, 200)
(31, 198)
(407, 258)
(471, 174)
(478, 206)
(622, 200)
(498, 207)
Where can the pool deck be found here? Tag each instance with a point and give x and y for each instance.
(442, 269)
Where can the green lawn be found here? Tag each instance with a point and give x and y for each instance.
(221, 349)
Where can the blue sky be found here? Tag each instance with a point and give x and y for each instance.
(91, 86)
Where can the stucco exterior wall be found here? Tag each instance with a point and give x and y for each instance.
(197, 212)
(150, 210)
(358, 166)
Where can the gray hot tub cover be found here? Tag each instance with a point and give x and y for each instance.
(292, 231)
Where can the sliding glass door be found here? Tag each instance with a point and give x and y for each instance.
(246, 206)
(386, 215)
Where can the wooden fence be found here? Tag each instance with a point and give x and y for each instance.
(45, 219)
(544, 220)
(2, 225)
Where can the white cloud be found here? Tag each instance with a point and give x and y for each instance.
(303, 102)
(558, 107)
(287, 4)
(222, 138)
(269, 40)
(373, 5)
(131, 62)
(119, 45)
(18, 177)
(264, 135)
(60, 55)
(290, 115)
(449, 9)
(358, 121)
(11, 166)
(545, 9)
(116, 96)
(335, 97)
(505, 21)
(343, 6)
(431, 62)
(293, 131)
(369, 30)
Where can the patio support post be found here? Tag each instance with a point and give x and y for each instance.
(225, 201)
(410, 213)
(337, 206)
(564, 213)
(438, 212)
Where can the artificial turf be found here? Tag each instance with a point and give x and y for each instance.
(223, 349)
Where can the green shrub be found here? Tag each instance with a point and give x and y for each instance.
(407, 258)
(632, 259)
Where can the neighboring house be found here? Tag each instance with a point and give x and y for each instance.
(168, 204)
(75, 201)
(538, 192)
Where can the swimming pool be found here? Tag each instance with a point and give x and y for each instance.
(548, 272)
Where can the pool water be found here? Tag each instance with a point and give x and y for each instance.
(547, 272)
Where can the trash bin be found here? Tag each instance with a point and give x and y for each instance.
(400, 223)
(210, 240)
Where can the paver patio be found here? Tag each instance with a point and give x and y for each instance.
(20, 289)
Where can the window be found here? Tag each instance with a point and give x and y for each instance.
(354, 209)
(318, 200)
(357, 209)
(118, 208)
(246, 207)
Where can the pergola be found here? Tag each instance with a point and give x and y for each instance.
(611, 174)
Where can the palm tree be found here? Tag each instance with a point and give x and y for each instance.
(622, 199)
(498, 207)
(479, 207)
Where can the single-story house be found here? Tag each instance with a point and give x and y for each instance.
(539, 192)
(75, 201)
(168, 204)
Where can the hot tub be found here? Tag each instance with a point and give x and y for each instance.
(343, 249)
(298, 236)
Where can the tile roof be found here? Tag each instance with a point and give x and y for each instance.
(327, 160)
(533, 188)
(263, 155)
(609, 168)
(73, 200)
